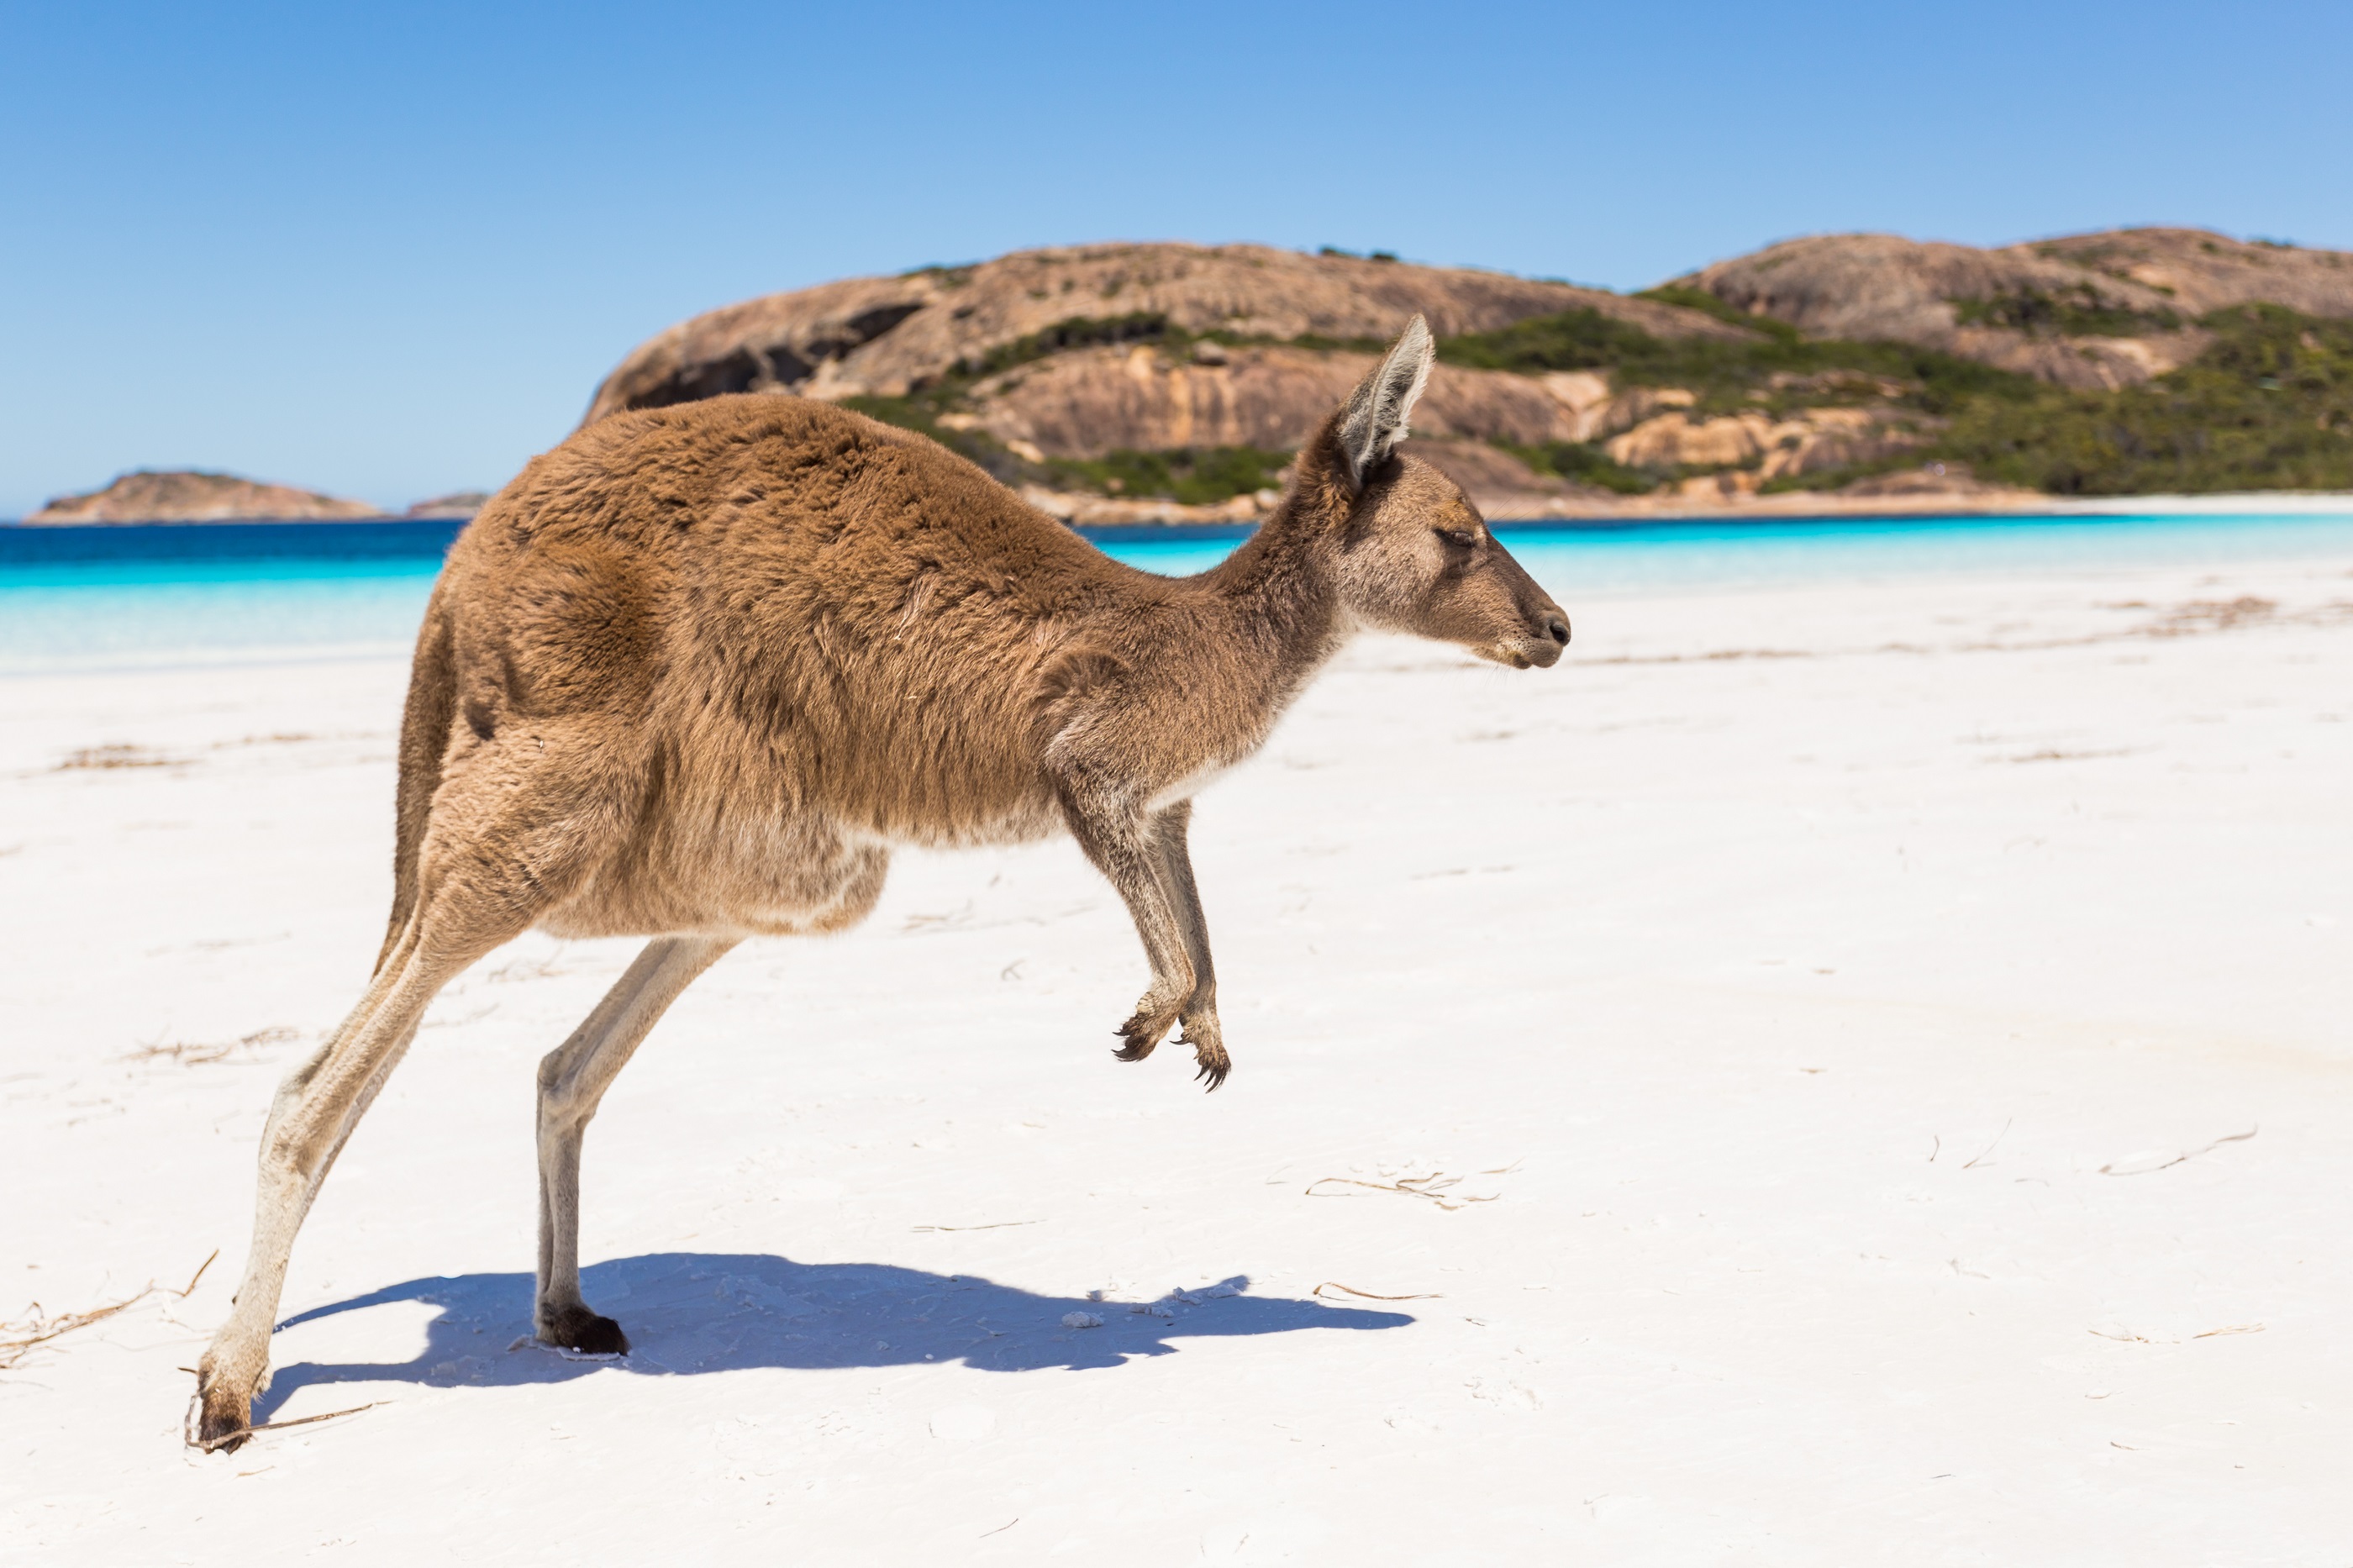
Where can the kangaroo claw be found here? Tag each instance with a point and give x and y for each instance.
(1213, 1062)
(1142, 1031)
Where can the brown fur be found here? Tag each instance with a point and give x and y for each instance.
(695, 672)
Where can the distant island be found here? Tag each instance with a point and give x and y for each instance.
(1117, 382)
(188, 495)
(457, 504)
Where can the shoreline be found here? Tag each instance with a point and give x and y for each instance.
(182, 598)
(1093, 514)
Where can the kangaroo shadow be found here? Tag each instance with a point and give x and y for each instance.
(689, 1312)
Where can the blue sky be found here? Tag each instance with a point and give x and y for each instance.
(388, 251)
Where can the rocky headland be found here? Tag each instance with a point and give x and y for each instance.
(189, 496)
(457, 504)
(887, 336)
(1119, 383)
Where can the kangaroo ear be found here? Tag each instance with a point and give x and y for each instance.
(1375, 420)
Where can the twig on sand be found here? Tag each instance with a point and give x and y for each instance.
(189, 1289)
(192, 1054)
(1369, 1295)
(38, 1328)
(1971, 1163)
(2137, 1165)
(117, 754)
(207, 1445)
(1002, 1528)
(2230, 1329)
(1432, 1186)
(1000, 1224)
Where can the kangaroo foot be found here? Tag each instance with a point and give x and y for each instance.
(576, 1328)
(1144, 1031)
(224, 1411)
(1208, 1050)
(222, 1418)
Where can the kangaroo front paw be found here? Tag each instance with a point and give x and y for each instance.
(576, 1328)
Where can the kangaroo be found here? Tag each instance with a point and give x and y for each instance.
(694, 673)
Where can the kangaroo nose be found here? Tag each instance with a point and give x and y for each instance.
(1556, 627)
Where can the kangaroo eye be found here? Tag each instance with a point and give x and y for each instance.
(1465, 537)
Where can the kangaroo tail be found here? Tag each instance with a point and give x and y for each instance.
(424, 737)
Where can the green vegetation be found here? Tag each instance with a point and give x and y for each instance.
(1585, 462)
(1707, 304)
(1074, 332)
(1834, 479)
(1774, 369)
(947, 276)
(921, 408)
(1194, 477)
(2268, 406)
(1582, 339)
(919, 411)
(2077, 311)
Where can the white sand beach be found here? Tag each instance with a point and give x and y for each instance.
(1828, 1075)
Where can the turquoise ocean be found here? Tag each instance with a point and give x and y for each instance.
(167, 595)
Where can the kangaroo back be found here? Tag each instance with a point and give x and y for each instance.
(424, 737)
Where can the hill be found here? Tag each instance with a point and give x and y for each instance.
(886, 336)
(1124, 381)
(188, 496)
(2096, 310)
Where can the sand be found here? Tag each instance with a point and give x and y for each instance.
(1834, 1074)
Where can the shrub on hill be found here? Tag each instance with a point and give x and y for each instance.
(2268, 406)
(920, 412)
(1074, 332)
(2069, 312)
(1586, 463)
(1201, 478)
(1775, 369)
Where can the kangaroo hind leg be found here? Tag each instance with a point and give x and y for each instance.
(314, 1115)
(510, 836)
(572, 1081)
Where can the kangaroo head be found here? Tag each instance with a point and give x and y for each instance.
(1403, 545)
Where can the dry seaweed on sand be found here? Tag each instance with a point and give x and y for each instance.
(231, 1439)
(197, 1053)
(36, 1328)
(2155, 1160)
(1369, 1295)
(1436, 1187)
(117, 754)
